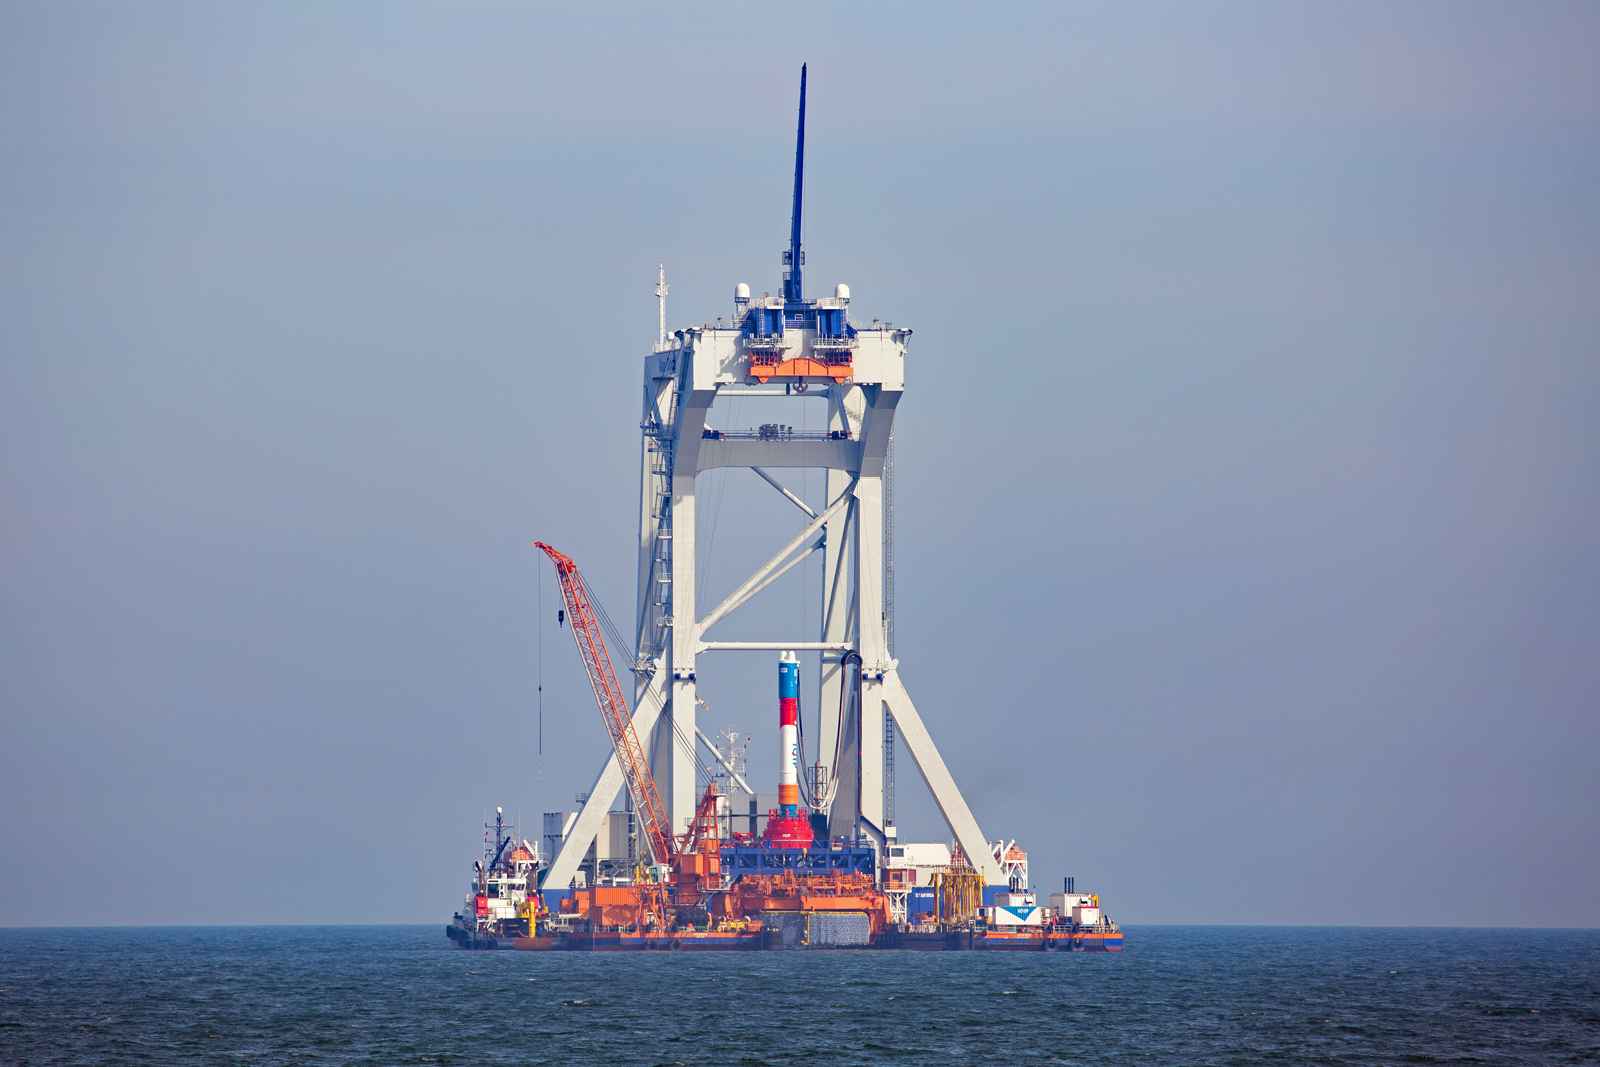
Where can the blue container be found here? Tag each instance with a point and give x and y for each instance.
(919, 901)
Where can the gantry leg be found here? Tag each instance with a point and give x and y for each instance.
(646, 712)
(952, 805)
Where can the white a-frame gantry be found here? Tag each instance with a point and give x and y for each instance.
(861, 369)
(774, 346)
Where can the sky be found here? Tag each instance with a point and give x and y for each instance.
(1247, 478)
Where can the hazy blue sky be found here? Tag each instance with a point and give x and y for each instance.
(1248, 474)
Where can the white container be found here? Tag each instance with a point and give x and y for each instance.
(1021, 915)
(919, 854)
(1065, 902)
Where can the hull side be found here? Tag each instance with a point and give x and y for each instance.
(662, 941)
(465, 940)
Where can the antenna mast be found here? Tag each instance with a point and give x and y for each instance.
(661, 299)
(795, 258)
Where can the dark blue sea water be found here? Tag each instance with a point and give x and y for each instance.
(1178, 995)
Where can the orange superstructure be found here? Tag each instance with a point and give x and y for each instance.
(758, 896)
(766, 362)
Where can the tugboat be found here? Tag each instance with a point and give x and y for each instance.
(498, 908)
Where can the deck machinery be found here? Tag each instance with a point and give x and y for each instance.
(792, 346)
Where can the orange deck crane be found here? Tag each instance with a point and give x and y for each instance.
(613, 708)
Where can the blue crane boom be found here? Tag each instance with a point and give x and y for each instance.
(795, 258)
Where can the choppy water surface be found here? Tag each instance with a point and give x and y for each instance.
(1179, 995)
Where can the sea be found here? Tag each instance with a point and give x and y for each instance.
(1177, 995)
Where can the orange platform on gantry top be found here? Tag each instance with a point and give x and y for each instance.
(766, 364)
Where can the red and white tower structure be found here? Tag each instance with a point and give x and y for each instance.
(790, 824)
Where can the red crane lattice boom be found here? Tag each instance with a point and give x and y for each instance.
(613, 708)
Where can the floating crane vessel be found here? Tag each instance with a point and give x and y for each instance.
(822, 867)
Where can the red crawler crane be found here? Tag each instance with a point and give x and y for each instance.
(613, 708)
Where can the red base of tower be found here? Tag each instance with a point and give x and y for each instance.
(788, 831)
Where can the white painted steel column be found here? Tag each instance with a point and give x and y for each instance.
(659, 388)
(678, 790)
(679, 727)
(838, 595)
(874, 652)
(842, 815)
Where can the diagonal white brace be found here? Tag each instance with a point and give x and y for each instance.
(952, 805)
(801, 504)
(754, 583)
(715, 751)
(775, 575)
(604, 793)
